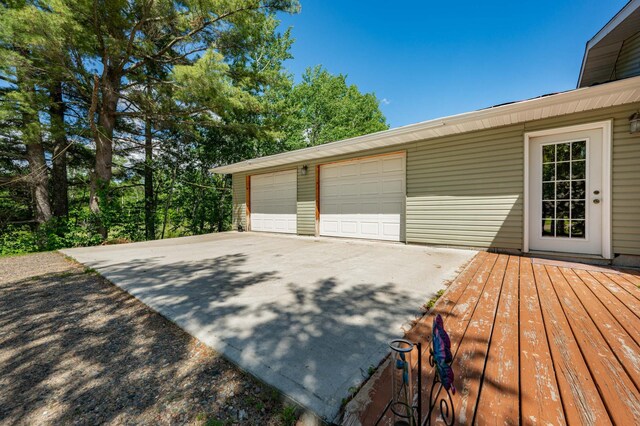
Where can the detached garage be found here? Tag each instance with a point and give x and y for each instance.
(556, 174)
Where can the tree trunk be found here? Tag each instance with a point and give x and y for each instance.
(103, 138)
(39, 179)
(38, 172)
(149, 199)
(59, 170)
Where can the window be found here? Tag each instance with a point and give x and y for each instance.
(564, 167)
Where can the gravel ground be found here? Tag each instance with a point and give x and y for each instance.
(74, 349)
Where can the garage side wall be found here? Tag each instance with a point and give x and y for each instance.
(239, 201)
(468, 190)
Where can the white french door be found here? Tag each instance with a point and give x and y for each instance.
(568, 191)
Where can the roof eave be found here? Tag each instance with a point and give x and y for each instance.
(425, 130)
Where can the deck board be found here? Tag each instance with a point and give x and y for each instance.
(581, 401)
(615, 387)
(470, 357)
(625, 283)
(628, 299)
(539, 393)
(534, 342)
(625, 317)
(500, 393)
(624, 348)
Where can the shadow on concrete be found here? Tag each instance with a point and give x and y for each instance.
(313, 341)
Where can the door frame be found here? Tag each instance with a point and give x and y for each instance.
(607, 136)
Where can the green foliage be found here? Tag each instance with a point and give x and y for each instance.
(197, 84)
(289, 415)
(55, 234)
(432, 302)
(323, 108)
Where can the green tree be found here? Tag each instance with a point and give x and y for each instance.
(323, 108)
(116, 41)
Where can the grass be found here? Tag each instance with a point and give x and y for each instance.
(289, 415)
(432, 302)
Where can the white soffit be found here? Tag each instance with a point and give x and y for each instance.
(585, 99)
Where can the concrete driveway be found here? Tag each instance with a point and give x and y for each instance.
(306, 315)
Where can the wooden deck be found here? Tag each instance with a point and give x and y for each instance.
(534, 342)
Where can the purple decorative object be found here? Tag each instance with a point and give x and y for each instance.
(442, 354)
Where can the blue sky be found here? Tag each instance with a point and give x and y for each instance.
(427, 59)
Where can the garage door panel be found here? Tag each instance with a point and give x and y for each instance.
(394, 186)
(390, 209)
(363, 199)
(349, 227)
(274, 202)
(392, 164)
(352, 169)
(390, 230)
(350, 189)
(370, 228)
(369, 168)
(370, 188)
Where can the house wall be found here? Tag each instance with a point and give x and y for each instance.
(628, 62)
(468, 189)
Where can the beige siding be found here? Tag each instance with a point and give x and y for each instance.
(239, 200)
(628, 62)
(467, 190)
(307, 202)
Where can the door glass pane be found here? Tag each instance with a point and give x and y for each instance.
(564, 189)
(578, 150)
(562, 210)
(563, 171)
(563, 152)
(549, 191)
(549, 154)
(548, 209)
(549, 172)
(562, 228)
(578, 169)
(578, 190)
(577, 228)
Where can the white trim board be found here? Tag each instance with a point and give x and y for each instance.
(607, 138)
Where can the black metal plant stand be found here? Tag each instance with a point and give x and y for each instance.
(408, 412)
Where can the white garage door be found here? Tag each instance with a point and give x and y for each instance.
(363, 198)
(273, 202)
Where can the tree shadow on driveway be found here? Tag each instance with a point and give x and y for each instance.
(312, 339)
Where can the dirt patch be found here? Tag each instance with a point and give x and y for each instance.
(74, 349)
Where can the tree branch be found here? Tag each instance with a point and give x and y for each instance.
(190, 34)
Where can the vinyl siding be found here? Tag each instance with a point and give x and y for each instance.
(467, 190)
(239, 201)
(628, 62)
